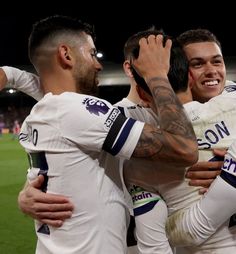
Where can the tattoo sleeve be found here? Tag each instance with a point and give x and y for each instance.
(173, 132)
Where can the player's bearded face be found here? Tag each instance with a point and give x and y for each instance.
(86, 68)
(86, 80)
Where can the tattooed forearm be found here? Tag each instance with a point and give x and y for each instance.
(157, 79)
(159, 144)
(173, 137)
(169, 109)
(149, 142)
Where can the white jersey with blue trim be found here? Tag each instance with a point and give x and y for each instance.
(229, 165)
(214, 125)
(25, 82)
(141, 199)
(228, 172)
(149, 209)
(64, 135)
(29, 84)
(125, 103)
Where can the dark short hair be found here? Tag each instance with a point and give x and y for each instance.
(179, 66)
(197, 35)
(178, 72)
(52, 25)
(131, 47)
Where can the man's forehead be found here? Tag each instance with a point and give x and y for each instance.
(90, 41)
(202, 50)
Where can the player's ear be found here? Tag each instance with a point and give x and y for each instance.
(127, 68)
(190, 79)
(65, 56)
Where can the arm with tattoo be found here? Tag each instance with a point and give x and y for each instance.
(173, 138)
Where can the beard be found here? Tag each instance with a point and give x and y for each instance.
(92, 90)
(89, 88)
(86, 84)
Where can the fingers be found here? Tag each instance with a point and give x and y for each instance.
(31, 193)
(47, 198)
(154, 58)
(206, 166)
(201, 182)
(203, 191)
(52, 207)
(220, 152)
(202, 174)
(53, 223)
(152, 41)
(48, 208)
(54, 214)
(168, 43)
(37, 183)
(55, 219)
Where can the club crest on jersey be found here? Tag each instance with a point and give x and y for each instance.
(95, 106)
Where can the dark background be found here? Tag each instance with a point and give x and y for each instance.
(115, 22)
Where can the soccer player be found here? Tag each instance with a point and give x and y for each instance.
(67, 129)
(132, 91)
(217, 131)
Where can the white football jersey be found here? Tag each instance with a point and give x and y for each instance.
(214, 125)
(219, 134)
(230, 160)
(64, 135)
(108, 199)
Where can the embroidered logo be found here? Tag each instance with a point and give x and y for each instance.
(95, 106)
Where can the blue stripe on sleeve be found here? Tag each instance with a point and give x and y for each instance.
(123, 137)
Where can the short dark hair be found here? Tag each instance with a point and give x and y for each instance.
(197, 35)
(51, 26)
(179, 68)
(131, 47)
(178, 72)
(131, 50)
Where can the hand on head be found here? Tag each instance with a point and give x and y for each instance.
(154, 58)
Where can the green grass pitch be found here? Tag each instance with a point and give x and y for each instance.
(17, 234)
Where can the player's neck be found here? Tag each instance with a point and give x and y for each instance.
(133, 95)
(57, 84)
(185, 97)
